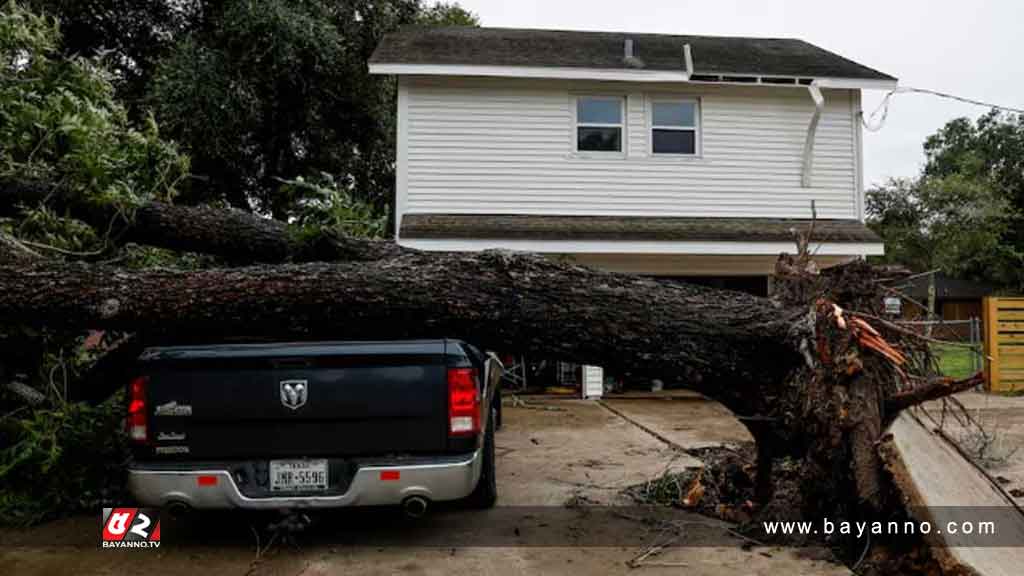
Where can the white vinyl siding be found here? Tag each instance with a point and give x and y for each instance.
(503, 146)
(636, 116)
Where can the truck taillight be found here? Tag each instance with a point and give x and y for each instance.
(463, 402)
(136, 423)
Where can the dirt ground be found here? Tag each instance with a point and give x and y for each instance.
(559, 463)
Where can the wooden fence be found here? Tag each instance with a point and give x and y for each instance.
(1004, 344)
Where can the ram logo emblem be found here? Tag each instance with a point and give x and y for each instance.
(294, 393)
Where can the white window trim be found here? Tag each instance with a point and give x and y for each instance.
(574, 151)
(698, 147)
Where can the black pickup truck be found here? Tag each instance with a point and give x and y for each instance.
(314, 424)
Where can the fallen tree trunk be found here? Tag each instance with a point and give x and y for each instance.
(808, 381)
(233, 235)
(794, 375)
(724, 344)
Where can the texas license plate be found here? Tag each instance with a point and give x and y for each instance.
(298, 475)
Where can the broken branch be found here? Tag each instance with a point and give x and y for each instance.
(933, 390)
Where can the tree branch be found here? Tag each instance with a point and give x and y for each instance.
(933, 390)
(236, 236)
(13, 250)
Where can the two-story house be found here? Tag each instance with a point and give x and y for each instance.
(686, 156)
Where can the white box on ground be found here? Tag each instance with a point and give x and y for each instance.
(593, 381)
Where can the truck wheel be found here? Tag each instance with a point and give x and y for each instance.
(486, 491)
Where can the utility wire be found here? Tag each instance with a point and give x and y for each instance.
(871, 126)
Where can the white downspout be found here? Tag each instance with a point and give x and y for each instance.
(812, 129)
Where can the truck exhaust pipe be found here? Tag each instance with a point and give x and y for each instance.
(178, 510)
(415, 506)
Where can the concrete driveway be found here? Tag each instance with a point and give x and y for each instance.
(561, 465)
(1000, 449)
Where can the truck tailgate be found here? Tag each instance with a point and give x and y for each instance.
(323, 399)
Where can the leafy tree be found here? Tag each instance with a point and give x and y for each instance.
(447, 14)
(257, 91)
(965, 213)
(271, 90)
(263, 90)
(991, 150)
(60, 123)
(130, 36)
(321, 206)
(953, 223)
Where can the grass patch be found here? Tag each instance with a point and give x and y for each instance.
(955, 361)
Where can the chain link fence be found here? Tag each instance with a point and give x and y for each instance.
(961, 352)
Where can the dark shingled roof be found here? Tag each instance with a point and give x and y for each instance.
(485, 226)
(559, 48)
(946, 288)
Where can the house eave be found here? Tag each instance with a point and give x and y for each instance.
(705, 247)
(623, 75)
(566, 73)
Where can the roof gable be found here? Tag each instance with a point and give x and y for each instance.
(712, 55)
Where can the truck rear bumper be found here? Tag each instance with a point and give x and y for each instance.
(372, 485)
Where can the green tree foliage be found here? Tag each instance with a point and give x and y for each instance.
(952, 223)
(129, 35)
(60, 459)
(965, 213)
(60, 123)
(258, 91)
(271, 90)
(323, 207)
(447, 14)
(265, 90)
(990, 150)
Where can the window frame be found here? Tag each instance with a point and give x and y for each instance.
(698, 146)
(575, 125)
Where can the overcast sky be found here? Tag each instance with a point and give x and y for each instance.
(971, 48)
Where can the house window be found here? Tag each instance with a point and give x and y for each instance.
(674, 127)
(599, 124)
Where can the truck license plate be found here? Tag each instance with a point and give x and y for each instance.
(298, 475)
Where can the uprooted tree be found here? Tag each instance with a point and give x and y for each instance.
(810, 372)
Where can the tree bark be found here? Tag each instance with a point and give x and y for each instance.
(233, 235)
(788, 369)
(793, 370)
(725, 344)
(13, 250)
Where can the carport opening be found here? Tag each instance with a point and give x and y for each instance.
(699, 455)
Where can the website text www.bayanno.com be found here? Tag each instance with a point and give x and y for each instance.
(879, 528)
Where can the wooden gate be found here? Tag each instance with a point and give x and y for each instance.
(1004, 344)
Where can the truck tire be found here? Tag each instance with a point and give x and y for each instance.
(486, 491)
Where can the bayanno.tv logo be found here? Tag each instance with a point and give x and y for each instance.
(131, 528)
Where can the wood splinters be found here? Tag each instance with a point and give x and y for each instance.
(864, 325)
